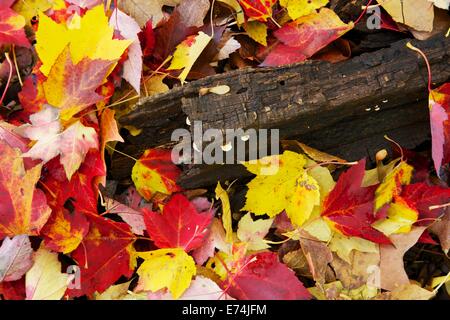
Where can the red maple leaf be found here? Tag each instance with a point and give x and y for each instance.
(264, 277)
(350, 206)
(179, 226)
(422, 196)
(81, 190)
(105, 254)
(304, 37)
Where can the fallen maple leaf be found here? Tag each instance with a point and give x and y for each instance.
(143, 10)
(442, 230)
(417, 14)
(423, 197)
(227, 219)
(300, 8)
(31, 8)
(81, 190)
(187, 53)
(257, 31)
(400, 217)
(129, 29)
(133, 217)
(215, 239)
(92, 38)
(166, 268)
(15, 258)
(65, 230)
(72, 144)
(305, 36)
(155, 172)
(12, 26)
(391, 185)
(71, 87)
(23, 207)
(284, 177)
(392, 271)
(440, 128)
(344, 246)
(350, 207)
(253, 232)
(264, 277)
(259, 10)
(106, 254)
(180, 225)
(44, 281)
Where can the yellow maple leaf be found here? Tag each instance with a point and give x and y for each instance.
(44, 281)
(226, 212)
(253, 232)
(187, 53)
(257, 31)
(300, 8)
(91, 38)
(400, 218)
(343, 246)
(31, 8)
(390, 186)
(167, 268)
(289, 187)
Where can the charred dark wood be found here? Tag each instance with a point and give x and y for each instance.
(344, 108)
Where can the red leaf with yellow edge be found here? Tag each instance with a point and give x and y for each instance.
(71, 87)
(12, 26)
(259, 10)
(264, 277)
(306, 36)
(180, 225)
(422, 196)
(440, 125)
(155, 172)
(65, 230)
(23, 207)
(350, 207)
(105, 254)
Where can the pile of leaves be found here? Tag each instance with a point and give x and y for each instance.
(331, 229)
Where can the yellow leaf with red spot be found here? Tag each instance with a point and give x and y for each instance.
(391, 185)
(92, 38)
(155, 173)
(31, 8)
(23, 207)
(166, 268)
(187, 53)
(290, 186)
(400, 218)
(300, 8)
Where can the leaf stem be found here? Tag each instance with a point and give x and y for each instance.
(9, 77)
(410, 46)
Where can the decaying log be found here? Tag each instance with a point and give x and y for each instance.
(344, 108)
